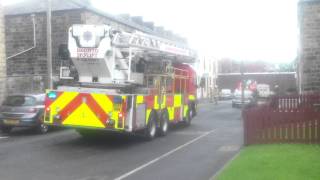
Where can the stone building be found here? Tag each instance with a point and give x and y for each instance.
(27, 71)
(309, 50)
(2, 56)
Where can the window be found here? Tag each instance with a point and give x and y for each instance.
(20, 101)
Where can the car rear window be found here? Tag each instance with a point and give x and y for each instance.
(20, 101)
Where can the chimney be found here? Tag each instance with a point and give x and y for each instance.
(137, 19)
(149, 25)
(125, 16)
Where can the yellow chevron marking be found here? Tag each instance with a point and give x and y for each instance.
(83, 116)
(185, 110)
(192, 97)
(171, 113)
(156, 104)
(164, 101)
(139, 100)
(147, 115)
(104, 102)
(62, 101)
(177, 100)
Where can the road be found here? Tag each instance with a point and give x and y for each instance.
(195, 152)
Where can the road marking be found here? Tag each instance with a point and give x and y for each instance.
(3, 137)
(163, 156)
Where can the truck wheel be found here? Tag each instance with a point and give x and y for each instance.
(151, 130)
(187, 119)
(6, 129)
(164, 124)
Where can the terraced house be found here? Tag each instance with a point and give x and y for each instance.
(26, 42)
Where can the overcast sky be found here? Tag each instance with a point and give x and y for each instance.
(239, 29)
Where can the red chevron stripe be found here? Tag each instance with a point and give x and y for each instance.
(149, 101)
(91, 103)
(73, 105)
(95, 107)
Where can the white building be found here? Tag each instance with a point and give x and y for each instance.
(207, 70)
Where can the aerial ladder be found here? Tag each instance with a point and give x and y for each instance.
(127, 81)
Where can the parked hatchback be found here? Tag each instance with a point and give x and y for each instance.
(23, 110)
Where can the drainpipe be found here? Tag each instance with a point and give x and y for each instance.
(34, 39)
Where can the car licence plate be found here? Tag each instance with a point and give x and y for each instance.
(11, 122)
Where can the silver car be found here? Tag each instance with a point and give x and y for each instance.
(23, 110)
(237, 99)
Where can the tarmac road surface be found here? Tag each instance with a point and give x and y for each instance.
(196, 152)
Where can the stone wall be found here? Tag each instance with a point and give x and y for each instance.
(2, 56)
(27, 72)
(309, 61)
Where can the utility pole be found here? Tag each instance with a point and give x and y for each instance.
(49, 45)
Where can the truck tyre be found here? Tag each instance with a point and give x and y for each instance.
(187, 119)
(151, 129)
(164, 123)
(6, 129)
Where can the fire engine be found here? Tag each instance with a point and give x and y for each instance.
(127, 82)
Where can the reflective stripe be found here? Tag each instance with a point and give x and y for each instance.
(185, 110)
(171, 113)
(156, 103)
(139, 99)
(147, 115)
(164, 100)
(104, 102)
(192, 97)
(61, 102)
(83, 116)
(177, 100)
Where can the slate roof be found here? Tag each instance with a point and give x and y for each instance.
(38, 6)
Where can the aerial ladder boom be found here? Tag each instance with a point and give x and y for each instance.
(105, 56)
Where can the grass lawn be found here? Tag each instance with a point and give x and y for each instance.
(275, 162)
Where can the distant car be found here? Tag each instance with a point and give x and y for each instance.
(23, 110)
(237, 99)
(226, 94)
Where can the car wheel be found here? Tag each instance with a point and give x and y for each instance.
(150, 131)
(164, 124)
(6, 129)
(42, 128)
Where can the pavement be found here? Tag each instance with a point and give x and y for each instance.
(195, 152)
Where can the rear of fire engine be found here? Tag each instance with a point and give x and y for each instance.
(127, 82)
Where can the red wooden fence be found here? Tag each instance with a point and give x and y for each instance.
(285, 119)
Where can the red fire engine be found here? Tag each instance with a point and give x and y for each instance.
(128, 82)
